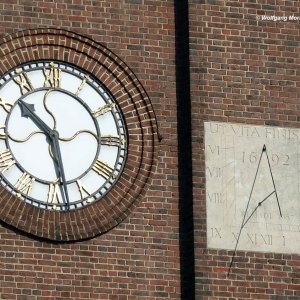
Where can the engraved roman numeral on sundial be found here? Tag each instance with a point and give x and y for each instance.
(84, 192)
(6, 160)
(52, 76)
(54, 195)
(24, 184)
(23, 82)
(111, 140)
(103, 109)
(102, 169)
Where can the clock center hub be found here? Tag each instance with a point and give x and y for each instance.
(54, 134)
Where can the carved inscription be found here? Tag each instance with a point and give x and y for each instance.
(215, 198)
(252, 187)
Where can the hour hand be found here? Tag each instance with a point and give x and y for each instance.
(27, 110)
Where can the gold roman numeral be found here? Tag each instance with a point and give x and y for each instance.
(7, 106)
(6, 160)
(103, 109)
(84, 192)
(111, 140)
(102, 169)
(52, 76)
(54, 195)
(82, 84)
(2, 133)
(24, 184)
(23, 81)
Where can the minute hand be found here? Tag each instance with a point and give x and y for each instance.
(27, 110)
(57, 155)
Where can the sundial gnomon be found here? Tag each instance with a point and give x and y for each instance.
(257, 205)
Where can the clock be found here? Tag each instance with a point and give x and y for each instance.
(63, 143)
(78, 136)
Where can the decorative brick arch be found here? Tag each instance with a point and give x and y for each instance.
(117, 204)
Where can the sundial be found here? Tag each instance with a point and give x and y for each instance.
(252, 187)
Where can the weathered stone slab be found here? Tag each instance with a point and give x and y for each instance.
(252, 187)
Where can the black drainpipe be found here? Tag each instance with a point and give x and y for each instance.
(183, 95)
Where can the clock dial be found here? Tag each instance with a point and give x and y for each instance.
(63, 140)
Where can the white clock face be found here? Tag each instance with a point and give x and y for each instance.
(62, 136)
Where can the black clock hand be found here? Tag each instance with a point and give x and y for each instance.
(57, 156)
(27, 110)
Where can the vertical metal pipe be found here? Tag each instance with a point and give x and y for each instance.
(183, 95)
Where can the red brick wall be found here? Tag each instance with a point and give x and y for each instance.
(139, 259)
(243, 70)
